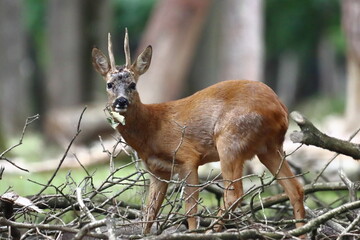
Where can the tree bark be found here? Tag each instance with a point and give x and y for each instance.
(64, 70)
(350, 21)
(310, 135)
(75, 27)
(14, 68)
(353, 91)
(96, 22)
(173, 31)
(231, 45)
(241, 39)
(330, 83)
(288, 75)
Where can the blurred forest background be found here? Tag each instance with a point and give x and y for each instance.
(307, 51)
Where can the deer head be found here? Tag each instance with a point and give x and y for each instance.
(121, 80)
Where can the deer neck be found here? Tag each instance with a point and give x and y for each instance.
(141, 122)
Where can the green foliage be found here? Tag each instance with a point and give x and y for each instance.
(34, 16)
(66, 180)
(298, 25)
(132, 14)
(31, 148)
(318, 107)
(299, 28)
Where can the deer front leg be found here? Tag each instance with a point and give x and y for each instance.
(157, 192)
(190, 175)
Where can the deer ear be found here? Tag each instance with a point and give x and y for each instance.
(142, 63)
(100, 62)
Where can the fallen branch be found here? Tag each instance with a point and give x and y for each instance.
(121, 218)
(336, 227)
(244, 234)
(84, 208)
(316, 222)
(5, 222)
(308, 189)
(253, 233)
(86, 229)
(351, 226)
(310, 135)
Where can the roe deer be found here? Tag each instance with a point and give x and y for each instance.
(231, 122)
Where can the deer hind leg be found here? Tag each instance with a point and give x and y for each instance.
(157, 191)
(274, 160)
(232, 170)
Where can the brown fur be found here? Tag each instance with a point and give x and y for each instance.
(230, 122)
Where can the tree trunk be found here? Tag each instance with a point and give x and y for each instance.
(329, 75)
(231, 46)
(64, 69)
(173, 31)
(75, 27)
(241, 49)
(95, 25)
(98, 26)
(353, 92)
(288, 75)
(14, 85)
(350, 20)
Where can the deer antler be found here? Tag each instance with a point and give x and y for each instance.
(111, 54)
(127, 50)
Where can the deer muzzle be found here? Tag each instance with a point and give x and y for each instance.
(121, 104)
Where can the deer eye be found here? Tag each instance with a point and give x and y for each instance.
(132, 86)
(110, 85)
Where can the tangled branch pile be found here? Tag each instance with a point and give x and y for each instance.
(84, 210)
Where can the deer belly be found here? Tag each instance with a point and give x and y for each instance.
(156, 164)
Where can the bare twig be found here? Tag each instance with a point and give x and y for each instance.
(183, 128)
(64, 155)
(349, 227)
(28, 121)
(83, 207)
(316, 179)
(1, 171)
(333, 158)
(101, 204)
(350, 185)
(86, 229)
(308, 189)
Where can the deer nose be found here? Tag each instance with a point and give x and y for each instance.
(121, 103)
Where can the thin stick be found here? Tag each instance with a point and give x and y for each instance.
(28, 121)
(84, 209)
(64, 155)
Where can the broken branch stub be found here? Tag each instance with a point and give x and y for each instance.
(310, 135)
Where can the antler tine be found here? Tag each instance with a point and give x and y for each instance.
(127, 49)
(111, 54)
